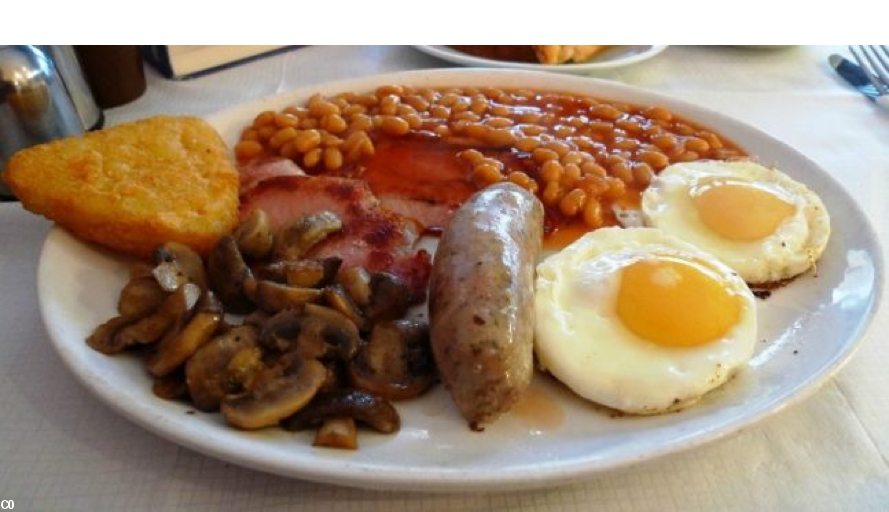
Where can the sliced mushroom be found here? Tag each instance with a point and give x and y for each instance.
(170, 387)
(352, 403)
(229, 275)
(140, 297)
(322, 325)
(302, 273)
(275, 399)
(389, 298)
(356, 282)
(297, 238)
(177, 347)
(337, 433)
(396, 363)
(254, 235)
(338, 299)
(256, 318)
(177, 264)
(175, 309)
(103, 339)
(280, 332)
(224, 366)
(273, 297)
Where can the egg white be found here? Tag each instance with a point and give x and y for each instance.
(792, 249)
(581, 341)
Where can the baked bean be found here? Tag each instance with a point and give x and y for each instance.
(541, 155)
(529, 117)
(266, 132)
(531, 129)
(629, 125)
(353, 141)
(442, 130)
(472, 156)
(439, 112)
(448, 99)
(658, 114)
(493, 162)
(564, 130)
(333, 159)
(592, 213)
(476, 130)
(696, 144)
(308, 123)
(413, 120)
(367, 147)
(519, 178)
(389, 105)
(573, 202)
(642, 174)
(361, 122)
(548, 119)
(319, 107)
(572, 157)
(500, 111)
(286, 120)
(593, 185)
(328, 140)
(623, 172)
(394, 125)
(354, 109)
(403, 110)
(307, 140)
(613, 159)
(281, 137)
(604, 111)
(334, 123)
(688, 156)
(592, 168)
(655, 159)
(250, 134)
(616, 188)
(570, 175)
(367, 100)
(311, 158)
(665, 141)
(419, 103)
(499, 122)
(652, 130)
(289, 150)
(500, 137)
(683, 129)
(588, 102)
(486, 174)
(466, 115)
(552, 193)
(712, 139)
(479, 105)
(626, 144)
(246, 149)
(578, 121)
(551, 170)
(559, 147)
(264, 118)
(723, 154)
(600, 126)
(527, 144)
(389, 90)
(299, 112)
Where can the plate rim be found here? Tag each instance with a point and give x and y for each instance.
(464, 59)
(440, 479)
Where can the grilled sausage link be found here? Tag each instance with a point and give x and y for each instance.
(481, 301)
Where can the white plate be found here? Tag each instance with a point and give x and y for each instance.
(808, 330)
(614, 57)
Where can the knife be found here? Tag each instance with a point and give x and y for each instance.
(856, 77)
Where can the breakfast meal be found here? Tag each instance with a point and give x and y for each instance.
(544, 54)
(134, 186)
(613, 246)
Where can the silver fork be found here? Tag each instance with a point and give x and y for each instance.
(875, 65)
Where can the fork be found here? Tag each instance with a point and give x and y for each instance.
(875, 65)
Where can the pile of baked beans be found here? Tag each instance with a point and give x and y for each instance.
(576, 152)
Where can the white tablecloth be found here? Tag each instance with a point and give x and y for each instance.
(61, 449)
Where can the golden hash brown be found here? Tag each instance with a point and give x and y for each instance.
(134, 186)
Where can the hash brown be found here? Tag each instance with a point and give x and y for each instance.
(134, 186)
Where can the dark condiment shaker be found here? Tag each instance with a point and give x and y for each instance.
(115, 73)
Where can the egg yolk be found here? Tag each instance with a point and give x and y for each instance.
(739, 210)
(675, 303)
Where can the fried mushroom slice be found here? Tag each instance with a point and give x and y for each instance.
(177, 264)
(276, 398)
(178, 346)
(229, 276)
(356, 281)
(337, 298)
(396, 362)
(140, 297)
(272, 297)
(176, 308)
(336, 331)
(338, 433)
(103, 339)
(349, 403)
(301, 273)
(170, 387)
(254, 235)
(389, 298)
(224, 366)
(298, 237)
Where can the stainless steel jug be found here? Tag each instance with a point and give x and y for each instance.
(43, 96)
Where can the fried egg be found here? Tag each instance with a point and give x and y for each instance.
(758, 221)
(641, 321)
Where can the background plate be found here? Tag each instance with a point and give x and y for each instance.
(614, 57)
(807, 330)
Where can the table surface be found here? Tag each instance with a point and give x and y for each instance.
(62, 449)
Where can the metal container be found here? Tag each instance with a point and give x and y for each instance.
(43, 96)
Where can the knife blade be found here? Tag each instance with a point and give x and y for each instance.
(855, 76)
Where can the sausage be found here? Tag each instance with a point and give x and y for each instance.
(481, 301)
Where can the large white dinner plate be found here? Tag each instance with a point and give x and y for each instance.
(610, 58)
(807, 330)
